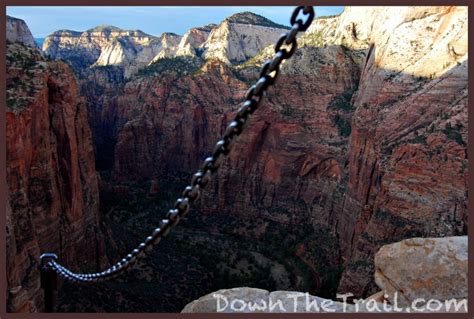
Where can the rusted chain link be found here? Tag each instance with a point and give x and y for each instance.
(201, 178)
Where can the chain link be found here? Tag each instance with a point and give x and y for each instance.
(210, 165)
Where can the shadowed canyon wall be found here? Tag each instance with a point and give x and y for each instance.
(53, 197)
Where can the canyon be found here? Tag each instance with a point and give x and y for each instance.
(362, 142)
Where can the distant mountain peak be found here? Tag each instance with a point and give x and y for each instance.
(169, 34)
(207, 27)
(18, 31)
(13, 18)
(66, 31)
(248, 17)
(104, 28)
(107, 28)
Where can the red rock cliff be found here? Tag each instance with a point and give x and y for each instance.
(52, 184)
(407, 161)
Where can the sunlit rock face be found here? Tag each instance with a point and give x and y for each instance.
(407, 159)
(193, 39)
(125, 52)
(110, 46)
(236, 39)
(17, 31)
(169, 47)
(241, 37)
(84, 48)
(423, 268)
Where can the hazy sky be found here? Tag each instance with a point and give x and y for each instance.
(153, 20)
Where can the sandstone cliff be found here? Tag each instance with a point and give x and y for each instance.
(17, 31)
(169, 46)
(240, 37)
(123, 52)
(236, 39)
(109, 46)
(193, 39)
(53, 202)
(407, 161)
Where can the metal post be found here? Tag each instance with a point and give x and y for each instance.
(49, 281)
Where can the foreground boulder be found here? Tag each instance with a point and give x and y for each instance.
(428, 268)
(247, 299)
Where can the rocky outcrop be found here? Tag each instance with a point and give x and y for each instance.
(428, 268)
(240, 37)
(53, 200)
(193, 39)
(82, 49)
(127, 54)
(249, 300)
(17, 31)
(169, 46)
(254, 300)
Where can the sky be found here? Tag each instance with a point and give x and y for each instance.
(44, 20)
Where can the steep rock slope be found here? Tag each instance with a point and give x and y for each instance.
(169, 46)
(407, 160)
(17, 31)
(240, 37)
(123, 52)
(53, 201)
(408, 156)
(193, 39)
(84, 48)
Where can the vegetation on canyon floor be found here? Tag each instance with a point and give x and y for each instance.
(178, 65)
(205, 260)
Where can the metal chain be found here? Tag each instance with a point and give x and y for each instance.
(210, 165)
